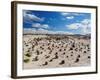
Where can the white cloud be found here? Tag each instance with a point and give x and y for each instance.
(73, 26)
(32, 16)
(45, 26)
(86, 21)
(70, 13)
(35, 18)
(64, 13)
(84, 26)
(70, 17)
(38, 25)
(67, 16)
(41, 29)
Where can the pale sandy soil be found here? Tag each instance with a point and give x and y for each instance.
(41, 51)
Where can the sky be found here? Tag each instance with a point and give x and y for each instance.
(57, 22)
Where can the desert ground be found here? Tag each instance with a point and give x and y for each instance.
(53, 51)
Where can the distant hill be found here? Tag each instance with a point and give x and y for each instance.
(30, 31)
(46, 32)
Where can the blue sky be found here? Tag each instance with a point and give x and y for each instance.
(67, 22)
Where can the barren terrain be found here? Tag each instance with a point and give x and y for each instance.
(50, 51)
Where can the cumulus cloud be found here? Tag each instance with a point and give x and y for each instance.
(70, 17)
(64, 13)
(41, 29)
(67, 16)
(38, 25)
(86, 21)
(73, 26)
(84, 25)
(45, 26)
(70, 13)
(32, 17)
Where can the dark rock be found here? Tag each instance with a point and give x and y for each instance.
(26, 60)
(84, 51)
(78, 56)
(46, 63)
(89, 57)
(77, 60)
(35, 59)
(56, 57)
(71, 49)
(66, 56)
(62, 62)
(51, 60)
(47, 57)
(28, 55)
